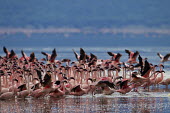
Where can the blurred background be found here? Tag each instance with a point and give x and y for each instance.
(84, 23)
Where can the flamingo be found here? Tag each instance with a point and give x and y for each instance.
(59, 91)
(50, 58)
(24, 56)
(113, 55)
(159, 79)
(6, 52)
(82, 57)
(164, 58)
(23, 92)
(132, 56)
(107, 87)
(124, 87)
(46, 83)
(8, 95)
(165, 82)
(78, 91)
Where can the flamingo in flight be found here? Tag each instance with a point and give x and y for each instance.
(164, 58)
(132, 56)
(114, 55)
(82, 56)
(50, 58)
(11, 54)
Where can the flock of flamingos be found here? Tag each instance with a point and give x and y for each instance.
(28, 76)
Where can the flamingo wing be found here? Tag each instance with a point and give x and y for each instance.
(140, 63)
(128, 52)
(111, 54)
(21, 87)
(54, 55)
(32, 57)
(46, 80)
(75, 88)
(46, 54)
(166, 57)
(146, 68)
(23, 54)
(82, 54)
(118, 56)
(123, 83)
(39, 75)
(135, 54)
(160, 56)
(76, 55)
(92, 56)
(5, 50)
(12, 54)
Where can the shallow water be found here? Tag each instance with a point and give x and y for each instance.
(157, 100)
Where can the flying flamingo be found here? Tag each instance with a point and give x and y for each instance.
(82, 57)
(50, 58)
(132, 56)
(164, 58)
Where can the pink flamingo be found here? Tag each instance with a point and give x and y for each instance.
(107, 87)
(132, 56)
(165, 82)
(124, 87)
(159, 79)
(59, 91)
(50, 58)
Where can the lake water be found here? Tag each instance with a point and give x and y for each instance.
(145, 102)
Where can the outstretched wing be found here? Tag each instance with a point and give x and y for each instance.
(146, 68)
(92, 56)
(166, 57)
(111, 54)
(32, 57)
(118, 56)
(123, 83)
(23, 54)
(46, 80)
(160, 56)
(75, 88)
(140, 63)
(12, 54)
(39, 75)
(5, 50)
(82, 54)
(45, 55)
(128, 52)
(76, 55)
(53, 56)
(135, 54)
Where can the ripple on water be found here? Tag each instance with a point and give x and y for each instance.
(130, 102)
